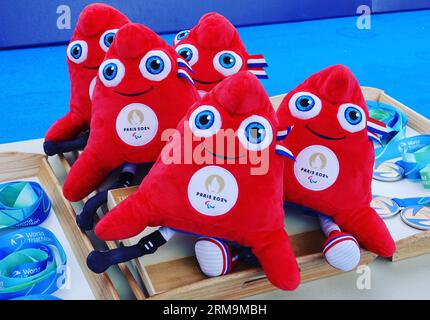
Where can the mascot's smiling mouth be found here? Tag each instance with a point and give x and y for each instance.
(222, 156)
(323, 136)
(91, 68)
(207, 82)
(133, 94)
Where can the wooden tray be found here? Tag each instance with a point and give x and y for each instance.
(418, 244)
(129, 274)
(180, 278)
(15, 166)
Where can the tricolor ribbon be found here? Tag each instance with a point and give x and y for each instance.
(280, 149)
(256, 64)
(184, 69)
(387, 126)
(282, 134)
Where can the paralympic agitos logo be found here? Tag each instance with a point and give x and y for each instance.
(214, 185)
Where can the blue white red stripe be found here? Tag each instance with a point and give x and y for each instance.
(378, 127)
(260, 73)
(257, 61)
(183, 74)
(184, 64)
(374, 137)
(281, 135)
(336, 241)
(283, 151)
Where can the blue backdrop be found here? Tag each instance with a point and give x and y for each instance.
(394, 55)
(34, 22)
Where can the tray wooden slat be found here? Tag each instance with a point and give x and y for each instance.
(182, 279)
(132, 282)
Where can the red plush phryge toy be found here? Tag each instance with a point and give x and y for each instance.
(327, 128)
(143, 88)
(214, 50)
(94, 33)
(220, 198)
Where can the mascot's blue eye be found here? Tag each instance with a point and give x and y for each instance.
(110, 71)
(353, 115)
(76, 51)
(186, 53)
(227, 60)
(108, 39)
(305, 103)
(182, 35)
(155, 65)
(205, 119)
(255, 132)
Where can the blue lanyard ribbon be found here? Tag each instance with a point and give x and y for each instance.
(23, 204)
(32, 263)
(414, 151)
(415, 156)
(396, 120)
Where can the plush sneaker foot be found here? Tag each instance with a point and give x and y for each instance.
(342, 251)
(214, 257)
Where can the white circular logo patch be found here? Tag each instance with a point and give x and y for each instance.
(213, 191)
(316, 168)
(136, 124)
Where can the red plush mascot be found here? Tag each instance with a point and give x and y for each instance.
(326, 124)
(215, 51)
(94, 33)
(221, 198)
(143, 88)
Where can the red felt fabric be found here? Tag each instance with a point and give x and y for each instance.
(213, 34)
(169, 99)
(94, 20)
(348, 199)
(256, 219)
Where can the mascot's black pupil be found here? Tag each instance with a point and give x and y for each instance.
(110, 39)
(353, 115)
(110, 71)
(227, 60)
(204, 120)
(305, 103)
(76, 50)
(155, 64)
(185, 54)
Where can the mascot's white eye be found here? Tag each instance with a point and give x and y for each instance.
(227, 63)
(77, 51)
(304, 105)
(205, 121)
(155, 65)
(351, 117)
(255, 133)
(189, 53)
(111, 72)
(107, 38)
(180, 36)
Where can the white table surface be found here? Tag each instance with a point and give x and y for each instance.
(407, 279)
